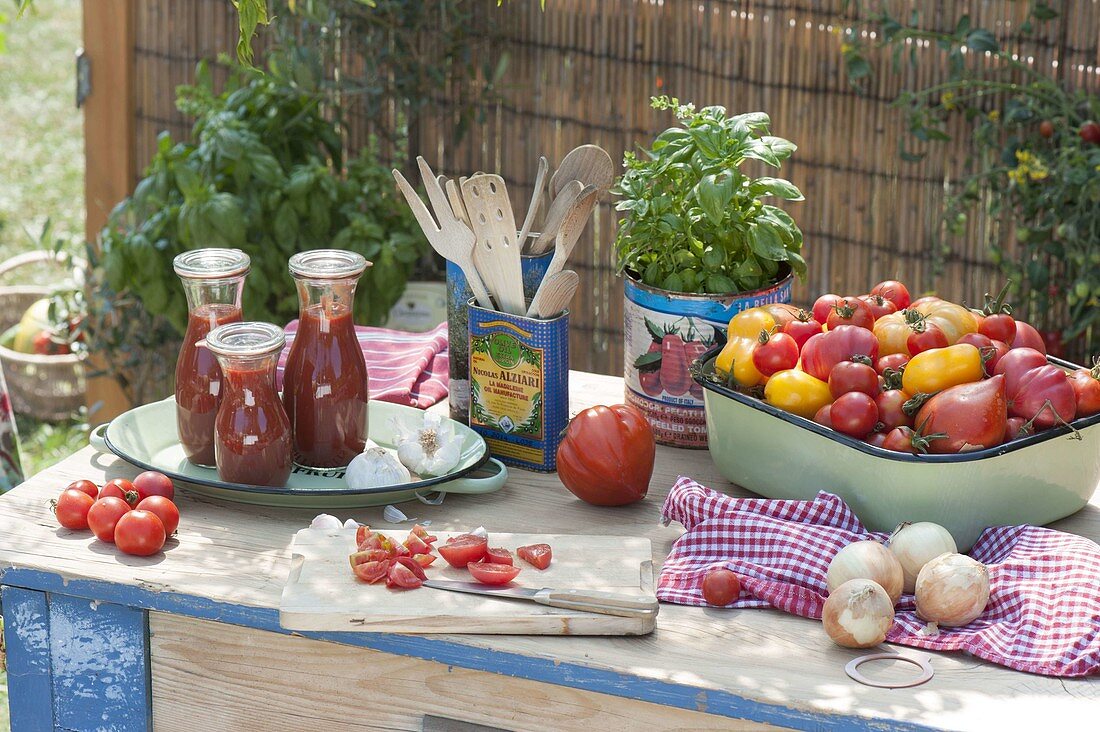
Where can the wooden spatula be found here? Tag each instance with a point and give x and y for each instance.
(536, 199)
(590, 164)
(554, 294)
(560, 207)
(496, 252)
(571, 229)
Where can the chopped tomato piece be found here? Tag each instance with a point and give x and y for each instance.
(492, 574)
(376, 540)
(368, 555)
(461, 550)
(372, 571)
(416, 545)
(423, 534)
(424, 560)
(400, 550)
(415, 566)
(400, 576)
(537, 555)
(499, 555)
(361, 534)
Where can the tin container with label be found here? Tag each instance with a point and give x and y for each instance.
(663, 332)
(458, 294)
(519, 385)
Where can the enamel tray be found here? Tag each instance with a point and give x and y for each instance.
(146, 437)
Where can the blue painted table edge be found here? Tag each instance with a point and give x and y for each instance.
(449, 652)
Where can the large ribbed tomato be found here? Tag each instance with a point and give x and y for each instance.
(606, 457)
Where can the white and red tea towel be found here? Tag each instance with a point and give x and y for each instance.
(1044, 610)
(404, 368)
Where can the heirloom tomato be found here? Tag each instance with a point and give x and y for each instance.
(825, 350)
(850, 311)
(878, 439)
(741, 340)
(606, 457)
(854, 414)
(797, 392)
(941, 368)
(954, 320)
(1017, 427)
(140, 533)
(1086, 385)
(890, 412)
(1028, 337)
(823, 306)
(969, 416)
(991, 350)
(71, 508)
(892, 332)
(893, 361)
(900, 439)
(774, 352)
(802, 328)
(879, 305)
(924, 338)
(849, 376)
(893, 291)
(1018, 360)
(1043, 395)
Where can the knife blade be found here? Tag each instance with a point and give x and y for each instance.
(591, 601)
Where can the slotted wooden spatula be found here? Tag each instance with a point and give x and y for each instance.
(496, 251)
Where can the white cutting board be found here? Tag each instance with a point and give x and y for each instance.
(322, 593)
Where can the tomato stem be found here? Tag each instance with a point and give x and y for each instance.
(998, 305)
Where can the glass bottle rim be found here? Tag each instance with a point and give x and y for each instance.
(327, 264)
(211, 263)
(248, 338)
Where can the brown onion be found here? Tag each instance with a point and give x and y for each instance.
(952, 590)
(916, 544)
(866, 560)
(858, 614)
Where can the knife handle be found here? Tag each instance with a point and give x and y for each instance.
(605, 603)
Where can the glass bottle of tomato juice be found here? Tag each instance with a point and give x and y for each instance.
(252, 438)
(325, 381)
(213, 280)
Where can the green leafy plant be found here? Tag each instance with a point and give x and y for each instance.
(694, 219)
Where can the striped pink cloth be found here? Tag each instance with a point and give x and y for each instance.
(1043, 615)
(404, 368)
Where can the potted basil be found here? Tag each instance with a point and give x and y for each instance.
(697, 244)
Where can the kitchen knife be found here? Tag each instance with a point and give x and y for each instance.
(590, 601)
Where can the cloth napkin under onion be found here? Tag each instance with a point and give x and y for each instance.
(404, 368)
(1044, 610)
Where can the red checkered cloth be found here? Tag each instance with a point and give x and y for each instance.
(404, 368)
(1044, 610)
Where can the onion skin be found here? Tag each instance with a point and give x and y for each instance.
(858, 614)
(867, 560)
(952, 590)
(917, 544)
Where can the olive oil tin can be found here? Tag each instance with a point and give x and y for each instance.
(519, 385)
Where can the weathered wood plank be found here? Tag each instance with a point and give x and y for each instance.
(27, 639)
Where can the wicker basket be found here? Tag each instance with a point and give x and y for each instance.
(48, 388)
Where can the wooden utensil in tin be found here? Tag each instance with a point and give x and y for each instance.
(590, 164)
(554, 294)
(496, 252)
(536, 199)
(559, 208)
(571, 229)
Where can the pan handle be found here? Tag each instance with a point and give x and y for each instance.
(493, 482)
(95, 439)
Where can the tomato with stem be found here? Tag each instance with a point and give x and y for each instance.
(120, 488)
(71, 508)
(1086, 387)
(894, 291)
(823, 306)
(802, 328)
(774, 352)
(850, 311)
(879, 305)
(925, 337)
(140, 533)
(900, 439)
(894, 361)
(970, 416)
(891, 414)
(849, 376)
(606, 457)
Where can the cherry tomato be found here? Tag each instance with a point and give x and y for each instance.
(802, 328)
(120, 488)
(900, 439)
(998, 327)
(1086, 386)
(850, 311)
(1090, 133)
(461, 550)
(893, 291)
(854, 414)
(720, 587)
(498, 555)
(72, 507)
(929, 337)
(139, 533)
(164, 509)
(1046, 129)
(492, 574)
(84, 486)
(104, 514)
(848, 376)
(618, 471)
(895, 361)
(152, 483)
(879, 305)
(823, 306)
(537, 555)
(774, 353)
(824, 416)
(373, 572)
(401, 577)
(878, 439)
(890, 412)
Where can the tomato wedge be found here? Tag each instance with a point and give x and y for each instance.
(367, 555)
(415, 566)
(372, 572)
(424, 560)
(537, 555)
(461, 550)
(401, 577)
(423, 534)
(417, 545)
(492, 574)
(361, 534)
(498, 555)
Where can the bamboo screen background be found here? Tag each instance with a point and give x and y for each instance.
(584, 70)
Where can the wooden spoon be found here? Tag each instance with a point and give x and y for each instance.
(571, 230)
(590, 164)
(457, 204)
(556, 292)
(533, 206)
(496, 251)
(559, 209)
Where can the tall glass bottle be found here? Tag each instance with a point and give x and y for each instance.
(213, 280)
(325, 381)
(252, 441)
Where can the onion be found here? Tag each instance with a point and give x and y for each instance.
(858, 614)
(916, 544)
(866, 560)
(952, 590)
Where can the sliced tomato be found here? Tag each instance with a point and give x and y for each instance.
(368, 555)
(423, 534)
(537, 555)
(498, 555)
(401, 577)
(461, 550)
(416, 545)
(492, 574)
(415, 566)
(373, 540)
(399, 550)
(372, 572)
(424, 560)
(361, 534)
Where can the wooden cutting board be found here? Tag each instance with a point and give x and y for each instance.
(322, 593)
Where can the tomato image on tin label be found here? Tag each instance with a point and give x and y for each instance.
(663, 370)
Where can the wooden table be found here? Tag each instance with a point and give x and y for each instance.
(190, 639)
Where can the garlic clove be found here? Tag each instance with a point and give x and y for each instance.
(325, 521)
(376, 467)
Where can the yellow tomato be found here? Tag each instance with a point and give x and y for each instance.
(742, 334)
(892, 332)
(954, 320)
(940, 368)
(797, 392)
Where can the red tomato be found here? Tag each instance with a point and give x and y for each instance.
(965, 417)
(414, 566)
(900, 439)
(104, 514)
(1044, 395)
(139, 533)
(424, 560)
(1016, 427)
(893, 291)
(850, 311)
(928, 337)
(1090, 133)
(84, 486)
(895, 361)
(774, 353)
(373, 572)
(401, 577)
(825, 350)
(164, 509)
(998, 327)
(498, 555)
(848, 376)
(461, 550)
(537, 555)
(675, 375)
(71, 508)
(368, 555)
(152, 483)
(1046, 129)
(416, 545)
(878, 439)
(824, 416)
(1086, 386)
(120, 488)
(801, 328)
(823, 306)
(420, 531)
(363, 531)
(606, 457)
(493, 574)
(1028, 337)
(1017, 361)
(879, 305)
(720, 587)
(854, 414)
(890, 412)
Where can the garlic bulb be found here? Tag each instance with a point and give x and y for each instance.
(866, 560)
(376, 468)
(952, 590)
(916, 544)
(325, 521)
(434, 449)
(858, 614)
